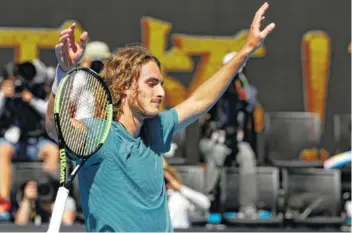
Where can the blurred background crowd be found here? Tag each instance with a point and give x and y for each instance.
(240, 166)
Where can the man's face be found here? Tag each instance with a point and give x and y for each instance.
(150, 91)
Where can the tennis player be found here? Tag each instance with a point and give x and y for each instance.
(122, 186)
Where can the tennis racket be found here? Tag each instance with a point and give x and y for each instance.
(83, 115)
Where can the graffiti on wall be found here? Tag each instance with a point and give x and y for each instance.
(27, 42)
(315, 54)
(178, 58)
(156, 36)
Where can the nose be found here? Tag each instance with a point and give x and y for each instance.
(160, 91)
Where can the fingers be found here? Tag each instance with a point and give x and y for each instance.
(259, 15)
(63, 38)
(69, 31)
(64, 35)
(83, 39)
(268, 29)
(71, 38)
(69, 34)
(65, 52)
(62, 52)
(65, 31)
(66, 41)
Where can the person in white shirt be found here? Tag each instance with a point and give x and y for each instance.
(96, 55)
(183, 201)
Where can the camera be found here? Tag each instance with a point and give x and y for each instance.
(23, 73)
(46, 188)
(46, 192)
(26, 72)
(97, 66)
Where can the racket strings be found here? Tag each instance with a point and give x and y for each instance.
(83, 112)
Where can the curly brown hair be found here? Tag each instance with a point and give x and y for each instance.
(122, 70)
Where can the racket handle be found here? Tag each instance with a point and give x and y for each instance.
(58, 212)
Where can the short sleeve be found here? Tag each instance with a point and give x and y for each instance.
(169, 120)
(162, 128)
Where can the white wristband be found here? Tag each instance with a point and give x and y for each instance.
(59, 75)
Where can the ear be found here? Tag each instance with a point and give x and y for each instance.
(126, 90)
(131, 89)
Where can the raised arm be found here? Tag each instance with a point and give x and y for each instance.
(206, 95)
(68, 54)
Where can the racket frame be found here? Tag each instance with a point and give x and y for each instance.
(61, 198)
(57, 114)
(66, 178)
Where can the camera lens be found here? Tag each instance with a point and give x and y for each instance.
(44, 189)
(97, 66)
(27, 70)
(45, 192)
(19, 86)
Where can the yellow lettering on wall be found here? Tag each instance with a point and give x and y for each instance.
(28, 41)
(316, 51)
(211, 49)
(259, 118)
(178, 58)
(314, 154)
(155, 36)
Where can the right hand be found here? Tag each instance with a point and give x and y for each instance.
(7, 87)
(68, 52)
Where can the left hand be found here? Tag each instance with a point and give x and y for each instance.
(27, 96)
(255, 36)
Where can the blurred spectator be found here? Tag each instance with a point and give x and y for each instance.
(22, 133)
(348, 209)
(182, 200)
(228, 136)
(50, 74)
(338, 161)
(96, 55)
(36, 202)
(176, 155)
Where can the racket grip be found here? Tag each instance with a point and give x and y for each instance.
(58, 212)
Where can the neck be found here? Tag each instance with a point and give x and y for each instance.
(131, 121)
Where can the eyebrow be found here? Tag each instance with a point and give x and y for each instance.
(155, 79)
